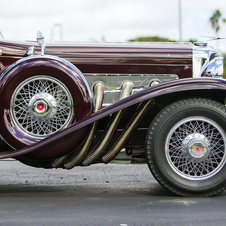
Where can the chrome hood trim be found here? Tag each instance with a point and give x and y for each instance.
(205, 63)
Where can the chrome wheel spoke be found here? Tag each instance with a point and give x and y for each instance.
(195, 148)
(51, 96)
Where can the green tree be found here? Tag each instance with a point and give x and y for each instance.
(215, 20)
(151, 39)
(155, 39)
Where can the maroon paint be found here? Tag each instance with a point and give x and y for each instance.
(69, 134)
(41, 66)
(171, 58)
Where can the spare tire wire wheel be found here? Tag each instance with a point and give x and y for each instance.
(41, 105)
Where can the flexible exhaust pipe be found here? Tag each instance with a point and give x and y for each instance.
(114, 151)
(78, 156)
(126, 89)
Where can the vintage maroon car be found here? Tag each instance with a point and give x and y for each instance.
(75, 104)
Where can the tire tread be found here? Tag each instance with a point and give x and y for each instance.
(150, 153)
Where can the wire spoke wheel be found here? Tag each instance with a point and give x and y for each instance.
(42, 96)
(41, 105)
(186, 147)
(195, 148)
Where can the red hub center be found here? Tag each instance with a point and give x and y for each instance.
(40, 107)
(197, 148)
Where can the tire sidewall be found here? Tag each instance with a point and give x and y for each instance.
(78, 90)
(161, 132)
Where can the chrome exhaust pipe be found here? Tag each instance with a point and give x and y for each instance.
(126, 90)
(114, 151)
(78, 156)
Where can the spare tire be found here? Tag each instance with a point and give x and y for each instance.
(41, 95)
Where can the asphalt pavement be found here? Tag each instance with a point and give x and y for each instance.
(119, 195)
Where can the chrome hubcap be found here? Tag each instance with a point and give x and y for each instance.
(41, 106)
(195, 148)
(197, 145)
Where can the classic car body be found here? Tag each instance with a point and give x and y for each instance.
(75, 104)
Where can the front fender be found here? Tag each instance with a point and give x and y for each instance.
(64, 138)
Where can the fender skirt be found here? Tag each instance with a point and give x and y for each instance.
(64, 139)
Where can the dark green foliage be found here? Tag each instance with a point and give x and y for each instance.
(151, 39)
(215, 19)
(156, 39)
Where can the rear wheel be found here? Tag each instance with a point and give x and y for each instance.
(186, 147)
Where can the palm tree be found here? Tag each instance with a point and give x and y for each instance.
(215, 21)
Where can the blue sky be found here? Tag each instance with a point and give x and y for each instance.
(111, 20)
